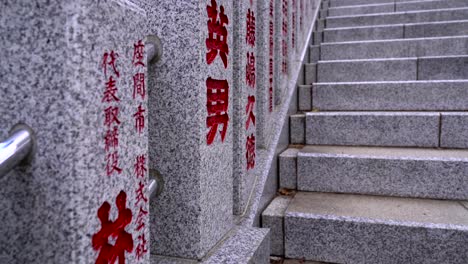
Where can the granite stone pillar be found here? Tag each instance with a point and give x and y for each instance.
(77, 77)
(191, 125)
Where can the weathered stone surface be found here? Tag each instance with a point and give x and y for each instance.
(361, 9)
(410, 129)
(366, 70)
(288, 168)
(436, 29)
(363, 33)
(273, 218)
(439, 46)
(375, 96)
(358, 228)
(454, 133)
(297, 129)
(443, 68)
(404, 172)
(304, 97)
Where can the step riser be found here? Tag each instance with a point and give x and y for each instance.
(373, 129)
(397, 32)
(397, 18)
(405, 177)
(429, 68)
(337, 3)
(454, 130)
(398, 7)
(356, 242)
(442, 96)
(395, 49)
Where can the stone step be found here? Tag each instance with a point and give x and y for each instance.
(398, 48)
(399, 69)
(387, 96)
(402, 129)
(356, 229)
(395, 7)
(398, 18)
(404, 172)
(338, 3)
(400, 31)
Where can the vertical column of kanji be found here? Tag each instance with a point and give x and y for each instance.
(265, 71)
(111, 171)
(217, 156)
(282, 48)
(140, 157)
(245, 79)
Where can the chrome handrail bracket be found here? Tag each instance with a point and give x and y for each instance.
(18, 149)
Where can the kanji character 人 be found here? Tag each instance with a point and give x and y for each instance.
(111, 138)
(110, 59)
(139, 85)
(250, 151)
(217, 101)
(138, 53)
(110, 92)
(141, 194)
(140, 166)
(111, 115)
(109, 253)
(217, 27)
(112, 163)
(250, 28)
(249, 111)
(141, 248)
(250, 70)
(140, 119)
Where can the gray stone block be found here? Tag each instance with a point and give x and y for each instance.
(398, 18)
(361, 9)
(310, 73)
(454, 130)
(358, 229)
(317, 37)
(404, 172)
(439, 46)
(363, 33)
(427, 5)
(314, 54)
(304, 97)
(297, 129)
(288, 168)
(248, 245)
(367, 70)
(436, 29)
(335, 3)
(410, 129)
(273, 218)
(443, 68)
(405, 96)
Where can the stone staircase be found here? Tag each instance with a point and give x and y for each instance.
(378, 161)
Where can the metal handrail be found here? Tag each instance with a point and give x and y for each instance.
(18, 148)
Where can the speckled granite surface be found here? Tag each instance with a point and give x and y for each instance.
(273, 218)
(52, 79)
(195, 210)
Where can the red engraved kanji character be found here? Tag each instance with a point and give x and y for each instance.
(250, 28)
(139, 85)
(111, 115)
(110, 92)
(250, 69)
(218, 27)
(138, 53)
(140, 220)
(109, 253)
(250, 151)
(141, 248)
(110, 59)
(139, 119)
(111, 138)
(112, 163)
(140, 194)
(217, 101)
(249, 111)
(140, 166)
